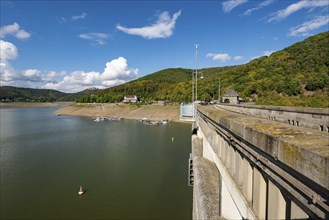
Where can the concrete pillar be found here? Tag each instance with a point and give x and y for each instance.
(276, 203)
(214, 145)
(259, 195)
(227, 159)
(197, 147)
(247, 180)
(221, 149)
(238, 170)
(205, 145)
(228, 206)
(297, 213)
(206, 149)
(232, 162)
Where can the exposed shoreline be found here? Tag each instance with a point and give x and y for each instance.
(126, 111)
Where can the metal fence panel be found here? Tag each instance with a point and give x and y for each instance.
(186, 110)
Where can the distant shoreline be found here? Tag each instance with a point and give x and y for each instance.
(32, 104)
(126, 111)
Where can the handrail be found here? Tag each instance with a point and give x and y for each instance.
(273, 108)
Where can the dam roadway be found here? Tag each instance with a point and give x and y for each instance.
(251, 162)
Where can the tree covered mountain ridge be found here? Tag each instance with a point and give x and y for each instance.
(295, 76)
(16, 94)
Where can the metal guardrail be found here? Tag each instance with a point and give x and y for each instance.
(313, 201)
(311, 111)
(314, 118)
(187, 110)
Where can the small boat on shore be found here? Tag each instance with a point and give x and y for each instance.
(154, 122)
(99, 119)
(165, 121)
(81, 191)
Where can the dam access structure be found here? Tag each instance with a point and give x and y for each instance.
(250, 162)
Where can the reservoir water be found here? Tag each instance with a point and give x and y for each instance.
(129, 170)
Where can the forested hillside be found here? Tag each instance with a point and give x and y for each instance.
(15, 94)
(295, 76)
(75, 96)
(157, 86)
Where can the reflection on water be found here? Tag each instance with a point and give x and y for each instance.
(129, 170)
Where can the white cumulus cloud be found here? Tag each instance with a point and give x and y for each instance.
(231, 4)
(10, 76)
(14, 30)
(31, 73)
(52, 75)
(223, 57)
(8, 51)
(162, 28)
(116, 72)
(305, 28)
(74, 82)
(118, 69)
(281, 14)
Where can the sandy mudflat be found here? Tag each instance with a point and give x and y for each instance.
(127, 111)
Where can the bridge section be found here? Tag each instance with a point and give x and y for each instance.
(251, 168)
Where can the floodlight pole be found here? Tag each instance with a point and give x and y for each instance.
(192, 87)
(196, 72)
(219, 91)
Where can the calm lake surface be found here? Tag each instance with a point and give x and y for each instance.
(129, 170)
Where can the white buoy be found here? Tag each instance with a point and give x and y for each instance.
(172, 139)
(81, 191)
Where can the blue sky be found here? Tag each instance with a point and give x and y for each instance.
(73, 45)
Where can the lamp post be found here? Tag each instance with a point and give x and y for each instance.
(195, 98)
(196, 72)
(193, 88)
(219, 91)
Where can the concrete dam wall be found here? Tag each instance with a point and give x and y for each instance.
(251, 168)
